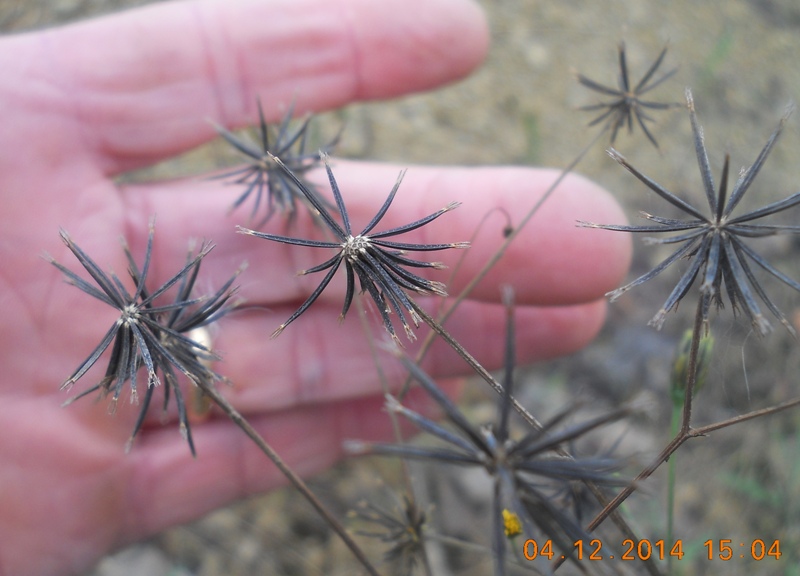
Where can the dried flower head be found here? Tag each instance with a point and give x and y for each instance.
(263, 178)
(379, 264)
(401, 527)
(715, 243)
(627, 102)
(529, 473)
(149, 334)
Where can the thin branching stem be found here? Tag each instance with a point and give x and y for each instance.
(464, 294)
(438, 330)
(705, 430)
(691, 372)
(518, 229)
(396, 431)
(474, 364)
(683, 434)
(670, 449)
(529, 418)
(290, 475)
(686, 431)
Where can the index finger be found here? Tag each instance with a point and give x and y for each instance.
(138, 87)
(552, 262)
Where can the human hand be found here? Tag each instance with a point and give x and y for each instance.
(87, 102)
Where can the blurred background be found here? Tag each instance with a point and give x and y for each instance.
(740, 57)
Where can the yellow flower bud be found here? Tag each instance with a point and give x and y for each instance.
(512, 523)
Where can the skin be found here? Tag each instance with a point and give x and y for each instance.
(87, 102)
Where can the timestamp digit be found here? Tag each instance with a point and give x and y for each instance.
(659, 544)
(758, 550)
(725, 550)
(547, 550)
(644, 552)
(677, 550)
(775, 550)
(628, 554)
(595, 555)
(530, 549)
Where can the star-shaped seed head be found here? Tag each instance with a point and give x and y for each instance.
(380, 264)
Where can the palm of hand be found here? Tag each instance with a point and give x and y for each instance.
(75, 118)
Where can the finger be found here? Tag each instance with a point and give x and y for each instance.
(158, 483)
(51, 444)
(551, 262)
(166, 486)
(142, 85)
(317, 360)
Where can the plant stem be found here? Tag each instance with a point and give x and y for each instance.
(704, 430)
(290, 475)
(464, 294)
(397, 432)
(480, 370)
(683, 434)
(474, 364)
(691, 371)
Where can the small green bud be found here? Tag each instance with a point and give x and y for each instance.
(680, 366)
